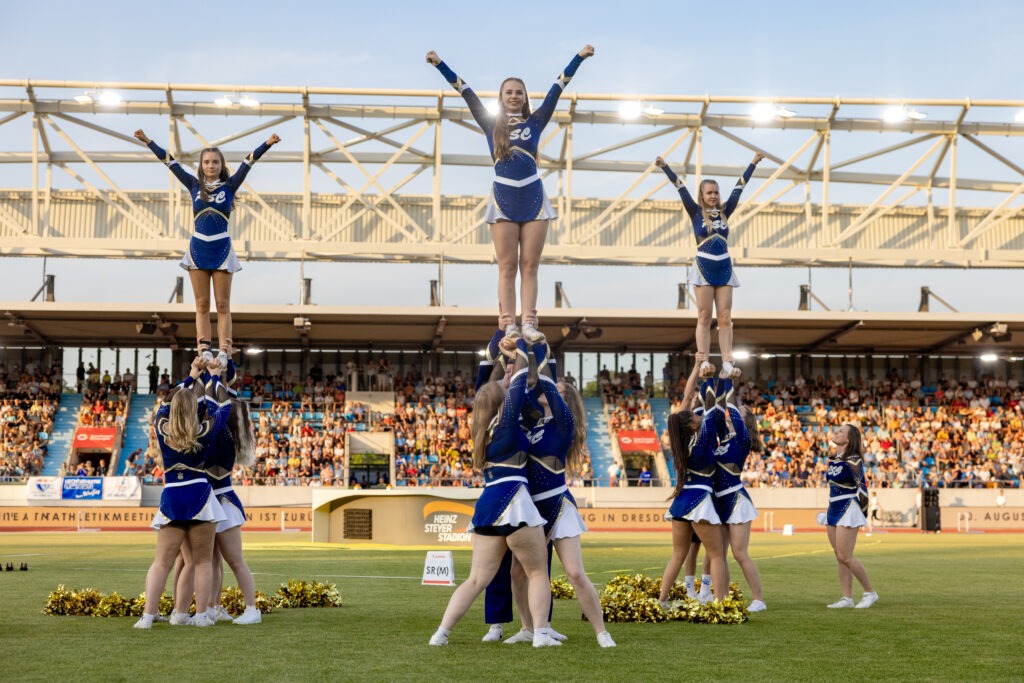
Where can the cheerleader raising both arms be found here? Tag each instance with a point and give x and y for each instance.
(210, 256)
(186, 429)
(713, 279)
(519, 210)
(847, 504)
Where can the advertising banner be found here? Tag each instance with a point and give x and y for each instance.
(122, 488)
(638, 441)
(96, 439)
(43, 488)
(82, 488)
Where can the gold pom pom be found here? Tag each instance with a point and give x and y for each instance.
(561, 589)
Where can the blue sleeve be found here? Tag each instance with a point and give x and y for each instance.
(691, 206)
(734, 198)
(483, 373)
(512, 407)
(742, 434)
(238, 178)
(476, 107)
(559, 410)
(186, 178)
(546, 109)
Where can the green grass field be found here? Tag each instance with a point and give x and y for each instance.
(950, 609)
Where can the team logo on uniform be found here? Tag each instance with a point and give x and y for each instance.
(520, 134)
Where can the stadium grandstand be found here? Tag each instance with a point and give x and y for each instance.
(937, 391)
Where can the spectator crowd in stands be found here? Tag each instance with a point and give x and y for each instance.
(29, 397)
(967, 433)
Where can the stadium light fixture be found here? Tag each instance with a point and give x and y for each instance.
(249, 101)
(1019, 118)
(84, 98)
(492, 107)
(784, 113)
(631, 109)
(765, 356)
(763, 112)
(988, 358)
(651, 110)
(223, 101)
(977, 335)
(109, 98)
(741, 355)
(253, 351)
(894, 114)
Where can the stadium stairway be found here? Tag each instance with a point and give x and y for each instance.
(598, 440)
(64, 423)
(660, 408)
(136, 430)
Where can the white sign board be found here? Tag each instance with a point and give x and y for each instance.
(439, 569)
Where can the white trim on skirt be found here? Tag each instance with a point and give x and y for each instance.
(853, 517)
(519, 512)
(231, 264)
(494, 214)
(743, 512)
(213, 511)
(704, 512)
(234, 517)
(569, 522)
(697, 279)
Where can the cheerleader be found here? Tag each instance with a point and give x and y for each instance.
(519, 211)
(847, 503)
(186, 429)
(505, 517)
(713, 279)
(693, 439)
(210, 255)
(557, 441)
(735, 508)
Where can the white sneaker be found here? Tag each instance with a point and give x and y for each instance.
(160, 619)
(222, 358)
(531, 333)
(180, 619)
(727, 369)
(207, 355)
(438, 639)
(512, 331)
(522, 636)
(202, 620)
(842, 603)
(604, 639)
(556, 635)
(757, 606)
(251, 615)
(665, 605)
(494, 634)
(145, 622)
(544, 640)
(691, 594)
(219, 613)
(706, 369)
(704, 596)
(868, 600)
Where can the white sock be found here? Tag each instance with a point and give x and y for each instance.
(250, 607)
(691, 583)
(705, 582)
(148, 617)
(444, 631)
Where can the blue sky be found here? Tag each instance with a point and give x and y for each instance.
(935, 49)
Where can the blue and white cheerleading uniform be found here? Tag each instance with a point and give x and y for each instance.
(518, 193)
(210, 247)
(731, 498)
(550, 442)
(695, 503)
(714, 265)
(187, 495)
(847, 494)
(221, 462)
(505, 505)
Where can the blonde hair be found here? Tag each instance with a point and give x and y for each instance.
(486, 405)
(574, 458)
(502, 146)
(223, 177)
(704, 208)
(183, 423)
